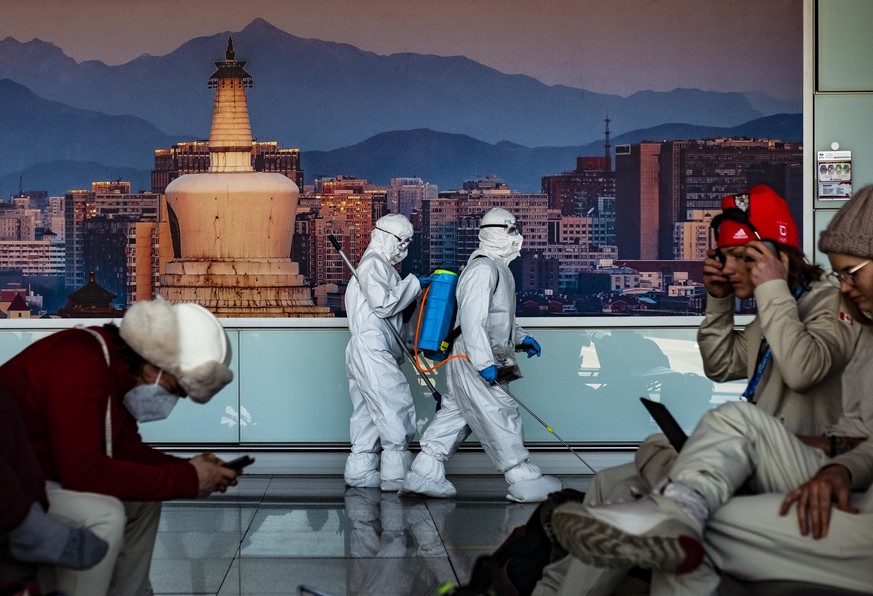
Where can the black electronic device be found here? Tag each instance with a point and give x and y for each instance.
(665, 421)
(238, 464)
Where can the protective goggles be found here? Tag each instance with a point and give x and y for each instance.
(403, 243)
(512, 228)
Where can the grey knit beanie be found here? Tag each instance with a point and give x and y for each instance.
(851, 230)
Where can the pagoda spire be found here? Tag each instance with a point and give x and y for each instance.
(230, 138)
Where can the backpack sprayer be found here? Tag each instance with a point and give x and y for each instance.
(436, 394)
(434, 336)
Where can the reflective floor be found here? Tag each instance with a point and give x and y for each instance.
(278, 534)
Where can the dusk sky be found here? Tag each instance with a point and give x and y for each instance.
(719, 45)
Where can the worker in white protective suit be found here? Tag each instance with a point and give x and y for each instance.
(383, 413)
(489, 337)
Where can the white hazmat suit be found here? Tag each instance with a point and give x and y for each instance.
(486, 310)
(383, 413)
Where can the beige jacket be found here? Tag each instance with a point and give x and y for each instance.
(857, 419)
(811, 346)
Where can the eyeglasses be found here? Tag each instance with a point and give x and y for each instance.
(838, 278)
(402, 242)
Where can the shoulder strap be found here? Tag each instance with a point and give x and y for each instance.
(101, 341)
(107, 424)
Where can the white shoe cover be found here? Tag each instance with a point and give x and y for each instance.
(533, 491)
(361, 470)
(428, 477)
(528, 485)
(395, 465)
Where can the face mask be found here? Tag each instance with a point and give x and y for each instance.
(150, 402)
(398, 256)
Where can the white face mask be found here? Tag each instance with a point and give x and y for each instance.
(148, 403)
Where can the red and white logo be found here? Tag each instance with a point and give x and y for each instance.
(740, 234)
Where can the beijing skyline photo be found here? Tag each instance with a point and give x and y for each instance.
(612, 130)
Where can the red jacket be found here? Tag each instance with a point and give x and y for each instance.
(61, 384)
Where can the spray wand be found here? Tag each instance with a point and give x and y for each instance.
(543, 422)
(436, 394)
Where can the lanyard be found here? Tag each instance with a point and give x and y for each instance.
(764, 355)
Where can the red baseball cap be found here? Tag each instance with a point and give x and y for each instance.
(757, 214)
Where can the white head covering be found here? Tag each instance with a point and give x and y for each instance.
(494, 234)
(386, 237)
(186, 340)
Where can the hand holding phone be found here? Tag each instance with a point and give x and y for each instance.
(238, 464)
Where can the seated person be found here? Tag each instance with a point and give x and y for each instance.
(80, 393)
(797, 322)
(738, 444)
(32, 535)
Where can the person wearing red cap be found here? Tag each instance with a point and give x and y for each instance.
(806, 524)
(793, 352)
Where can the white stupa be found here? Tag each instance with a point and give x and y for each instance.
(235, 225)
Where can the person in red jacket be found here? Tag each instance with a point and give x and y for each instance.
(81, 392)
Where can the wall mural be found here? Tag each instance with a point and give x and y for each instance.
(612, 131)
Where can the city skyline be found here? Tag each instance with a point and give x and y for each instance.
(612, 242)
(735, 45)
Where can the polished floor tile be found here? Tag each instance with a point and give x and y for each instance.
(311, 535)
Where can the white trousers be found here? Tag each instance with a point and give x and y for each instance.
(472, 405)
(746, 537)
(383, 411)
(130, 528)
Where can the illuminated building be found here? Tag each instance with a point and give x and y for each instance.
(192, 157)
(106, 211)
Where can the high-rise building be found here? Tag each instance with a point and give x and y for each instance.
(577, 192)
(450, 223)
(660, 183)
(53, 218)
(33, 257)
(405, 195)
(107, 202)
(637, 200)
(347, 209)
(18, 221)
(192, 157)
(691, 238)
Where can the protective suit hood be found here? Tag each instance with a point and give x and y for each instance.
(391, 237)
(499, 235)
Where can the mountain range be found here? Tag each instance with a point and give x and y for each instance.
(323, 95)
(445, 119)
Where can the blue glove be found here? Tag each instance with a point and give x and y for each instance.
(530, 345)
(424, 280)
(489, 374)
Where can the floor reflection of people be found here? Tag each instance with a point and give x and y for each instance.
(392, 542)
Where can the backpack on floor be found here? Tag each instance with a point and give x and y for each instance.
(517, 565)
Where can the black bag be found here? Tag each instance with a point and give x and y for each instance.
(517, 565)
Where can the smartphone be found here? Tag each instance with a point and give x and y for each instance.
(774, 248)
(239, 463)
